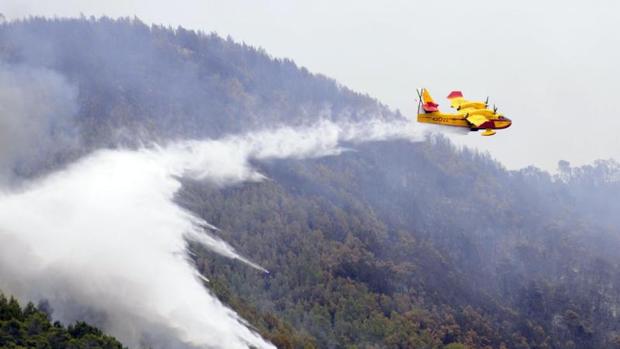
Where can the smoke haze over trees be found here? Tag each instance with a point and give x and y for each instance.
(171, 83)
(29, 327)
(394, 244)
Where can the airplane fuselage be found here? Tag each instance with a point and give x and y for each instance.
(495, 122)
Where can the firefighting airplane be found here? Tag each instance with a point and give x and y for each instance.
(470, 114)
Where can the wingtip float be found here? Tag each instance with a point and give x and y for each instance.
(474, 115)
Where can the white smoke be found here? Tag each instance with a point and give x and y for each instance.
(103, 240)
(37, 107)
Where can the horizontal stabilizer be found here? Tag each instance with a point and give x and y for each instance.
(455, 94)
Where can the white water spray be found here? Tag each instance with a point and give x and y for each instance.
(103, 240)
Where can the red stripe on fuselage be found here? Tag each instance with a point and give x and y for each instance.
(491, 124)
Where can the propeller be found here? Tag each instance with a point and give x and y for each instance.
(486, 102)
(494, 109)
(419, 92)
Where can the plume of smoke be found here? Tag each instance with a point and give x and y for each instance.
(104, 241)
(37, 107)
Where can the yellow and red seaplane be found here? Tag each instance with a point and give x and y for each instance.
(473, 115)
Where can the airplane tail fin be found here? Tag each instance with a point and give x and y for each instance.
(428, 104)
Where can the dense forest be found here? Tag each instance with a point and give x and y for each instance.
(394, 245)
(30, 327)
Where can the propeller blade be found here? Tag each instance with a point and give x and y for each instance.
(486, 102)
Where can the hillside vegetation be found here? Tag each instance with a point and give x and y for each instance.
(405, 245)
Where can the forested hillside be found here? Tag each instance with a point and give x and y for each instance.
(417, 246)
(392, 245)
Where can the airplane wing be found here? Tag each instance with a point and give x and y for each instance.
(457, 101)
(476, 119)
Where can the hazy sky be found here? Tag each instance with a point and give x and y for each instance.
(551, 66)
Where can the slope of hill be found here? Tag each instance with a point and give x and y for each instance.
(394, 245)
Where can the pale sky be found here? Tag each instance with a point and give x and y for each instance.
(550, 66)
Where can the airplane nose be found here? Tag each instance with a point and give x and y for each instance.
(504, 123)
